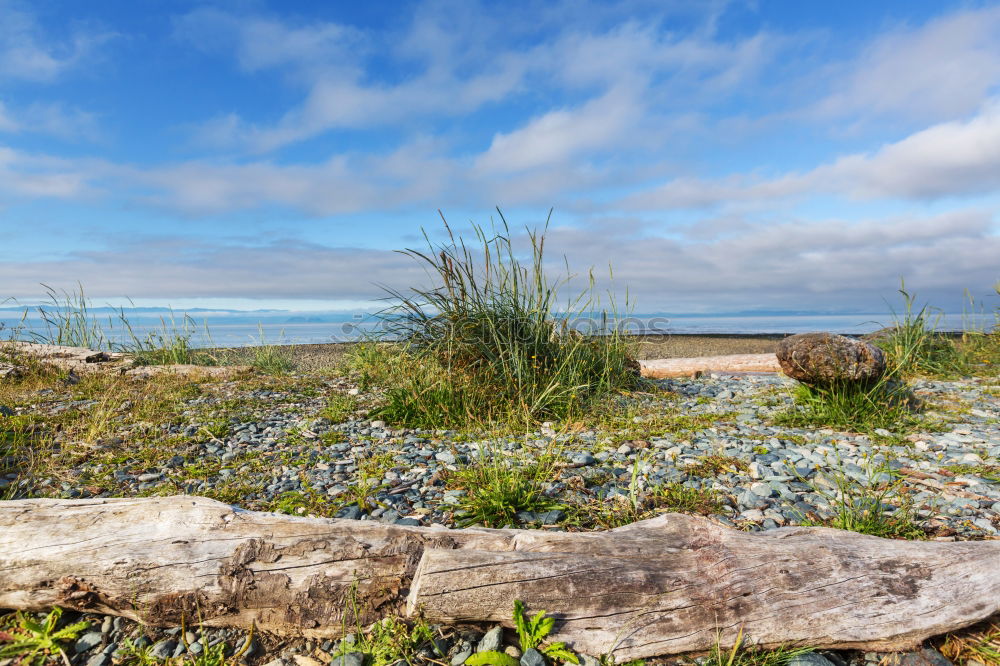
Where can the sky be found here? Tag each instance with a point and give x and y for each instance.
(718, 156)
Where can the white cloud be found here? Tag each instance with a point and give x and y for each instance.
(948, 159)
(557, 136)
(459, 58)
(942, 69)
(28, 53)
(793, 265)
(53, 119)
(39, 176)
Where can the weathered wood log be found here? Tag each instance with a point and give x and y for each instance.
(662, 368)
(663, 586)
(80, 360)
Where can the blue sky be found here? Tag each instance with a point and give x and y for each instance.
(719, 155)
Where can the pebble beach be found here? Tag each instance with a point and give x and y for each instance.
(275, 444)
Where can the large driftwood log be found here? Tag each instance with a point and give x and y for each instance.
(663, 586)
(685, 367)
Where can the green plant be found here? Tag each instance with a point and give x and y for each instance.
(386, 641)
(742, 653)
(913, 345)
(489, 344)
(531, 633)
(340, 407)
(32, 641)
(268, 358)
(68, 320)
(974, 645)
(873, 506)
(497, 489)
(884, 405)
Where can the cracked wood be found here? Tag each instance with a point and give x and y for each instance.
(662, 586)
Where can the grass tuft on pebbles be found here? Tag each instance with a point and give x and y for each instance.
(492, 341)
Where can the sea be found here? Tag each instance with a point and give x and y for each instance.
(242, 328)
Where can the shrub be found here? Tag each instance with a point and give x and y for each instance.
(488, 343)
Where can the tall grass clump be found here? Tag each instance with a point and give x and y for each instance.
(915, 347)
(886, 404)
(490, 341)
(67, 320)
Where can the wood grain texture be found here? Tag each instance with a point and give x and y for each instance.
(662, 586)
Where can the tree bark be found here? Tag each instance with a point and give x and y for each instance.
(663, 586)
(687, 367)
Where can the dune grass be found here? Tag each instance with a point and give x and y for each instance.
(492, 342)
(68, 318)
(914, 348)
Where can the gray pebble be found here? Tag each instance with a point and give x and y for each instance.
(88, 641)
(163, 649)
(460, 658)
(532, 657)
(491, 641)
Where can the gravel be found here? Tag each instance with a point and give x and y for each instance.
(283, 445)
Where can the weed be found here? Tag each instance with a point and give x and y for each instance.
(340, 408)
(742, 653)
(884, 405)
(713, 465)
(531, 633)
(268, 358)
(32, 641)
(989, 472)
(497, 489)
(677, 497)
(979, 644)
(487, 344)
(869, 506)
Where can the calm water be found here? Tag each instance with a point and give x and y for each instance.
(240, 329)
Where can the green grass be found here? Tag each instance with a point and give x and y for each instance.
(743, 653)
(498, 487)
(863, 506)
(490, 342)
(915, 348)
(985, 471)
(884, 405)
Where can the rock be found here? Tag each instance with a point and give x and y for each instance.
(583, 459)
(512, 651)
(349, 659)
(809, 659)
(822, 359)
(926, 657)
(491, 641)
(99, 659)
(460, 658)
(88, 641)
(6, 411)
(352, 512)
(163, 649)
(587, 660)
(532, 657)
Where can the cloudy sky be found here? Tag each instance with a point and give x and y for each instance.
(719, 155)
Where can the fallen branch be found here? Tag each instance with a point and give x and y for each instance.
(661, 586)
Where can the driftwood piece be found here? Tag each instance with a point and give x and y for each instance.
(80, 360)
(663, 586)
(686, 367)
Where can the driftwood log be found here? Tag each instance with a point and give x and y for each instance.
(687, 367)
(667, 585)
(80, 361)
